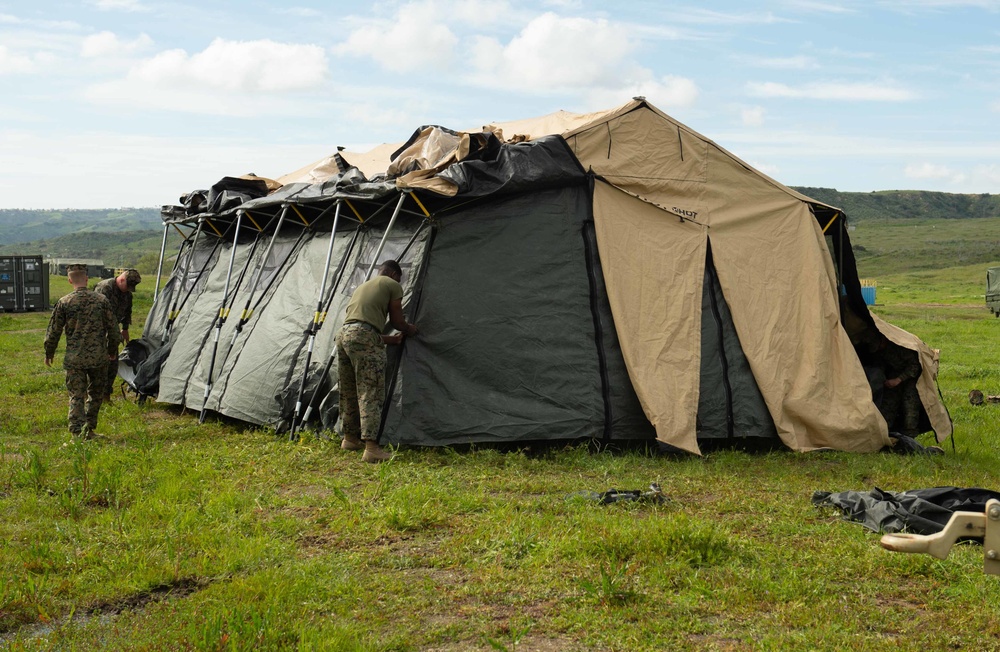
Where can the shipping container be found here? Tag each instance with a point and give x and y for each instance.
(24, 284)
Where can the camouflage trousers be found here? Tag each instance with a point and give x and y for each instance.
(86, 391)
(901, 408)
(361, 372)
(110, 374)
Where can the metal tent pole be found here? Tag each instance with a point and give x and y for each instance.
(159, 265)
(381, 244)
(319, 316)
(220, 319)
(187, 267)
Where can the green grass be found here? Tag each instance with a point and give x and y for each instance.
(169, 535)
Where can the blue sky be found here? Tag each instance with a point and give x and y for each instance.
(107, 103)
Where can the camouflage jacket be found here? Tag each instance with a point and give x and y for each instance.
(91, 331)
(121, 302)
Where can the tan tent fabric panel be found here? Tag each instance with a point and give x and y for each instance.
(653, 266)
(778, 278)
(775, 272)
(927, 383)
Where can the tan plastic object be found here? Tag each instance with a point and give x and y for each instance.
(961, 525)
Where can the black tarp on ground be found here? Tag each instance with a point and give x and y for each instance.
(917, 511)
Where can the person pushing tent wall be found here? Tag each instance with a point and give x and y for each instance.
(612, 275)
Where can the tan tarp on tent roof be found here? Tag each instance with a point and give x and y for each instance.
(666, 193)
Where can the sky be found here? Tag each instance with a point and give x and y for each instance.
(131, 103)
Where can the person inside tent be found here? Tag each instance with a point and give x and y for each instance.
(900, 404)
(361, 358)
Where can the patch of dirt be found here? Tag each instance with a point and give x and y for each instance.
(715, 642)
(168, 591)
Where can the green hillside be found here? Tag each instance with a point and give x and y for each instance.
(20, 225)
(906, 204)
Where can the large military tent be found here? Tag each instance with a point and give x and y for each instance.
(613, 275)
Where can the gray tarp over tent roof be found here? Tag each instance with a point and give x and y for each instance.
(614, 275)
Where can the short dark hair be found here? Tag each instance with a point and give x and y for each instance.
(390, 266)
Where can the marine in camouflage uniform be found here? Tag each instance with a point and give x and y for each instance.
(361, 358)
(118, 292)
(902, 369)
(91, 339)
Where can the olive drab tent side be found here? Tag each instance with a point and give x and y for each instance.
(612, 275)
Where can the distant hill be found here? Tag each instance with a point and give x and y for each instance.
(903, 204)
(19, 225)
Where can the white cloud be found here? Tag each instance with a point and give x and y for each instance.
(783, 63)
(985, 175)
(752, 116)
(769, 169)
(300, 12)
(243, 78)
(7, 19)
(121, 169)
(107, 44)
(928, 171)
(116, 5)
(910, 5)
(554, 52)
(718, 18)
(821, 7)
(415, 38)
(241, 66)
(832, 91)
(995, 106)
(12, 63)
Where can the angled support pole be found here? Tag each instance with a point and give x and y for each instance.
(961, 525)
(220, 319)
(247, 310)
(333, 354)
(159, 265)
(174, 309)
(385, 236)
(319, 316)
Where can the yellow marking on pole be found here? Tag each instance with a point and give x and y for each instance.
(356, 213)
(222, 313)
(835, 216)
(225, 313)
(217, 232)
(316, 317)
(250, 217)
(417, 199)
(296, 209)
(322, 317)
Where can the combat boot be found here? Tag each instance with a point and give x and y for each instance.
(351, 443)
(374, 453)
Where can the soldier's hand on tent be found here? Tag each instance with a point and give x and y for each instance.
(412, 329)
(393, 339)
(125, 335)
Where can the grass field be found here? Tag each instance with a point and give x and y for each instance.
(169, 535)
